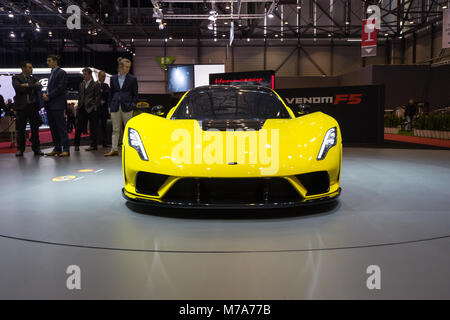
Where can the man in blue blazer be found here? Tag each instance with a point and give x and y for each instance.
(123, 95)
(55, 103)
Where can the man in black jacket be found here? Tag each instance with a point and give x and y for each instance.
(88, 105)
(27, 108)
(103, 113)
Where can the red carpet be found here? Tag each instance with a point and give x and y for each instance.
(419, 140)
(45, 137)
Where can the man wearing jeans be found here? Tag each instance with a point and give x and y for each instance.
(123, 97)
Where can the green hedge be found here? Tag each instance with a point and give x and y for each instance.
(392, 121)
(440, 122)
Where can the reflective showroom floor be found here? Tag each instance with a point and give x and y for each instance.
(394, 212)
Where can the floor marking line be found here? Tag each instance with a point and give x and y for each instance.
(99, 170)
(225, 251)
(79, 178)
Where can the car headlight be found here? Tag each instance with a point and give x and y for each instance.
(134, 140)
(328, 142)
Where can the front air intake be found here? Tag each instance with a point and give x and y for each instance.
(149, 183)
(315, 182)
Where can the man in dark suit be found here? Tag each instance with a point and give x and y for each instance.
(55, 103)
(88, 107)
(123, 97)
(27, 108)
(103, 113)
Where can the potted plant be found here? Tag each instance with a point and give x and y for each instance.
(391, 123)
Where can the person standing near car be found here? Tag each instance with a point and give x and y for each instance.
(55, 101)
(123, 97)
(88, 105)
(103, 113)
(410, 111)
(27, 107)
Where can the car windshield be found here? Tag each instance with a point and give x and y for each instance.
(231, 104)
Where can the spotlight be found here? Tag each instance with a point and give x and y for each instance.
(148, 39)
(227, 7)
(132, 40)
(347, 22)
(27, 12)
(329, 34)
(50, 34)
(30, 21)
(215, 39)
(170, 38)
(286, 22)
(60, 10)
(248, 39)
(165, 39)
(226, 22)
(224, 35)
(161, 26)
(270, 15)
(38, 29)
(276, 35)
(158, 20)
(210, 26)
(444, 6)
(10, 14)
(12, 34)
(386, 34)
(299, 7)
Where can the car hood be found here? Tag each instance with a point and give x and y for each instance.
(280, 147)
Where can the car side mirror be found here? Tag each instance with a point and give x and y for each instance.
(157, 110)
(304, 109)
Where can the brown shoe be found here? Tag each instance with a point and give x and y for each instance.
(53, 153)
(64, 154)
(111, 153)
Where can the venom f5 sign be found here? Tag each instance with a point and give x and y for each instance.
(359, 110)
(369, 38)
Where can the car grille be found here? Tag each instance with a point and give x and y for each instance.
(232, 191)
(315, 182)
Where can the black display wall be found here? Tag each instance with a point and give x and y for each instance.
(359, 110)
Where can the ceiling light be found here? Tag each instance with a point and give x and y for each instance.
(386, 34)
(30, 21)
(224, 35)
(161, 26)
(215, 39)
(170, 38)
(210, 26)
(329, 34)
(227, 7)
(50, 34)
(276, 35)
(148, 39)
(27, 12)
(12, 35)
(347, 22)
(286, 22)
(38, 29)
(444, 6)
(60, 10)
(270, 15)
(132, 40)
(158, 20)
(226, 22)
(10, 14)
(299, 7)
(248, 39)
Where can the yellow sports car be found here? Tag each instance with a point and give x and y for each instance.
(231, 147)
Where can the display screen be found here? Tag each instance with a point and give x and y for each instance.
(259, 78)
(180, 78)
